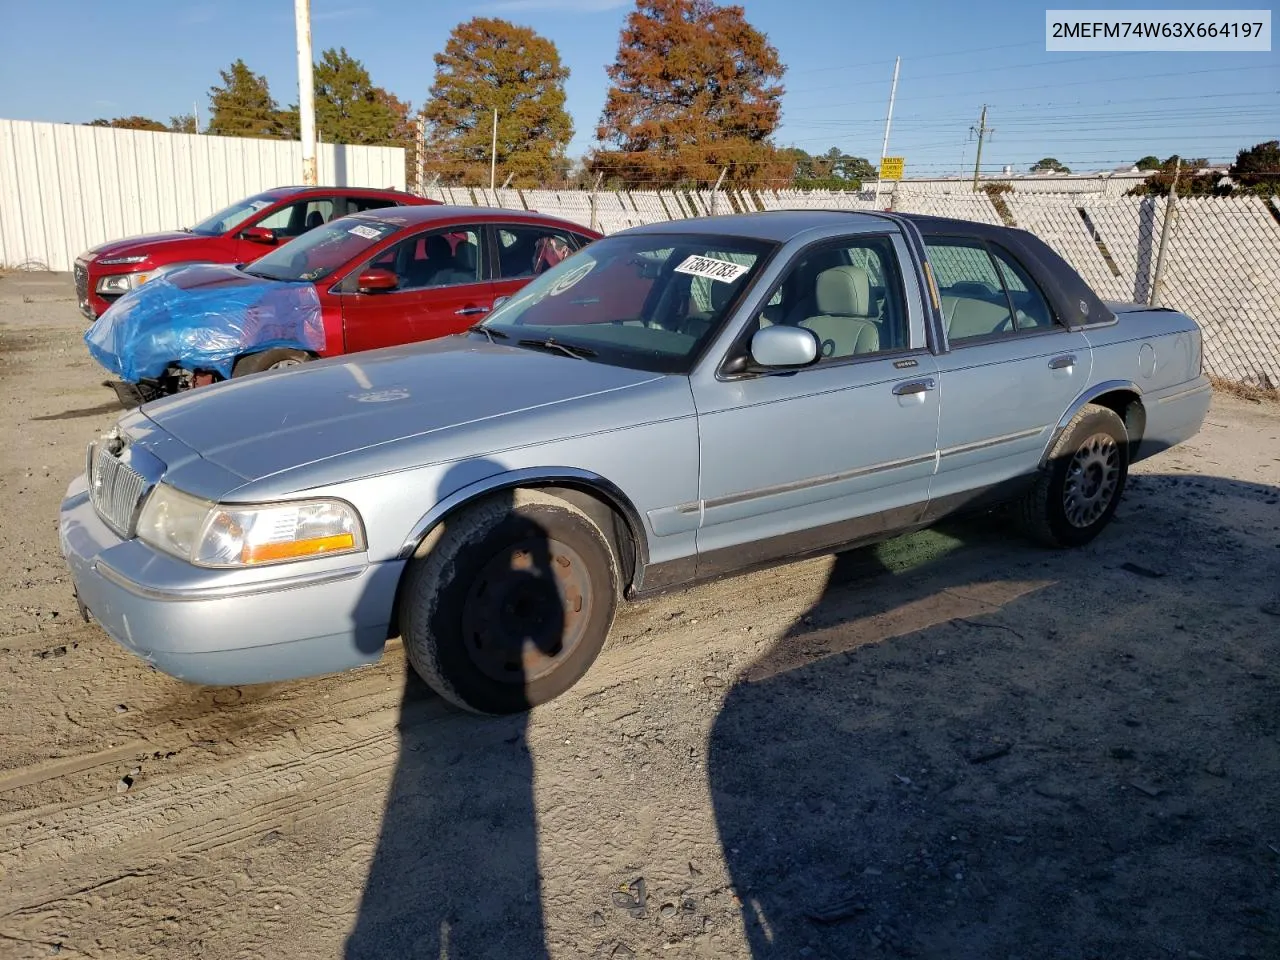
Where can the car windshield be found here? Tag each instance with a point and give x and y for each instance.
(648, 301)
(234, 215)
(319, 252)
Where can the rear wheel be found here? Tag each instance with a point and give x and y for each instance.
(510, 603)
(1080, 486)
(276, 358)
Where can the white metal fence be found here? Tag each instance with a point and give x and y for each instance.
(1222, 265)
(66, 187)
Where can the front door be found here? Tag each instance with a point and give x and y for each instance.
(442, 290)
(1012, 371)
(834, 453)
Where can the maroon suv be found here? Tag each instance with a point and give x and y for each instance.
(238, 234)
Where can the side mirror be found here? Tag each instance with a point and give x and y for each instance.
(784, 347)
(377, 280)
(259, 235)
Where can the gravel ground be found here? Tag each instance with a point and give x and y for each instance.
(953, 745)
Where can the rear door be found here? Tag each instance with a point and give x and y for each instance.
(1011, 372)
(442, 289)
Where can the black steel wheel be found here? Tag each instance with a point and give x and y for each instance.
(509, 603)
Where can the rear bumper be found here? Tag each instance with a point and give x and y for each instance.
(1174, 416)
(207, 630)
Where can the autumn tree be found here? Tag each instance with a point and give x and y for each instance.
(129, 123)
(695, 89)
(243, 107)
(490, 64)
(1257, 169)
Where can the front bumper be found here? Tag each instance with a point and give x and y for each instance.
(205, 627)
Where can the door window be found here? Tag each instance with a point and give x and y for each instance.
(850, 294)
(984, 291)
(529, 251)
(437, 259)
(297, 218)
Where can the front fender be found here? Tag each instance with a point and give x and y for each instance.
(526, 477)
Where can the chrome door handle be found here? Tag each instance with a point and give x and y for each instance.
(1060, 363)
(914, 386)
(467, 311)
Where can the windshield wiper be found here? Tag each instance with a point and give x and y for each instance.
(481, 328)
(551, 343)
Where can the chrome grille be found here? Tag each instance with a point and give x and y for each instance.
(82, 286)
(115, 490)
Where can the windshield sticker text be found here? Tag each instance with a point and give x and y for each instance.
(369, 233)
(722, 270)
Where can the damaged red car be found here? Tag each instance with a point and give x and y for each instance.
(374, 279)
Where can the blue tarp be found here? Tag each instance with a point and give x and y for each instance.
(204, 326)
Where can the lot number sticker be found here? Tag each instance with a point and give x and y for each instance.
(723, 270)
(369, 233)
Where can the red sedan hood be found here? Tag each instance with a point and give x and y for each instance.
(133, 246)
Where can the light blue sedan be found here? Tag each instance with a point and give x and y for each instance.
(672, 403)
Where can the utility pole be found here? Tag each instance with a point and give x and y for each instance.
(493, 153)
(420, 154)
(888, 120)
(981, 130)
(1164, 235)
(195, 114)
(306, 90)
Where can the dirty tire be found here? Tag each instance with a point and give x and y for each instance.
(272, 359)
(522, 571)
(1080, 486)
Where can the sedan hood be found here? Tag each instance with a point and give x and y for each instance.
(133, 246)
(278, 421)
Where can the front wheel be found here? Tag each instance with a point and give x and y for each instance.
(1079, 487)
(276, 358)
(509, 604)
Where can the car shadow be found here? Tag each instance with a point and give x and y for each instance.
(455, 870)
(973, 747)
(111, 406)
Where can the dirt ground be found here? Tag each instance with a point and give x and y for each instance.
(954, 745)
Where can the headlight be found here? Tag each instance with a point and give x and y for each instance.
(113, 261)
(247, 535)
(123, 282)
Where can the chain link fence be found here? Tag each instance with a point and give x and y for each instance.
(1221, 262)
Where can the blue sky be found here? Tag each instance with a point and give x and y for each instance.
(73, 60)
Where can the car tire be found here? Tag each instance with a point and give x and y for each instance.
(508, 603)
(1080, 485)
(276, 358)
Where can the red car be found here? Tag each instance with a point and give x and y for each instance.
(381, 278)
(234, 235)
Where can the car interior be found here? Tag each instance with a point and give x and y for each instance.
(841, 294)
(972, 286)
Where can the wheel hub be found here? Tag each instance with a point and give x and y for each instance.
(527, 610)
(1092, 480)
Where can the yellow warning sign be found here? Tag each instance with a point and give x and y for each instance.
(891, 168)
